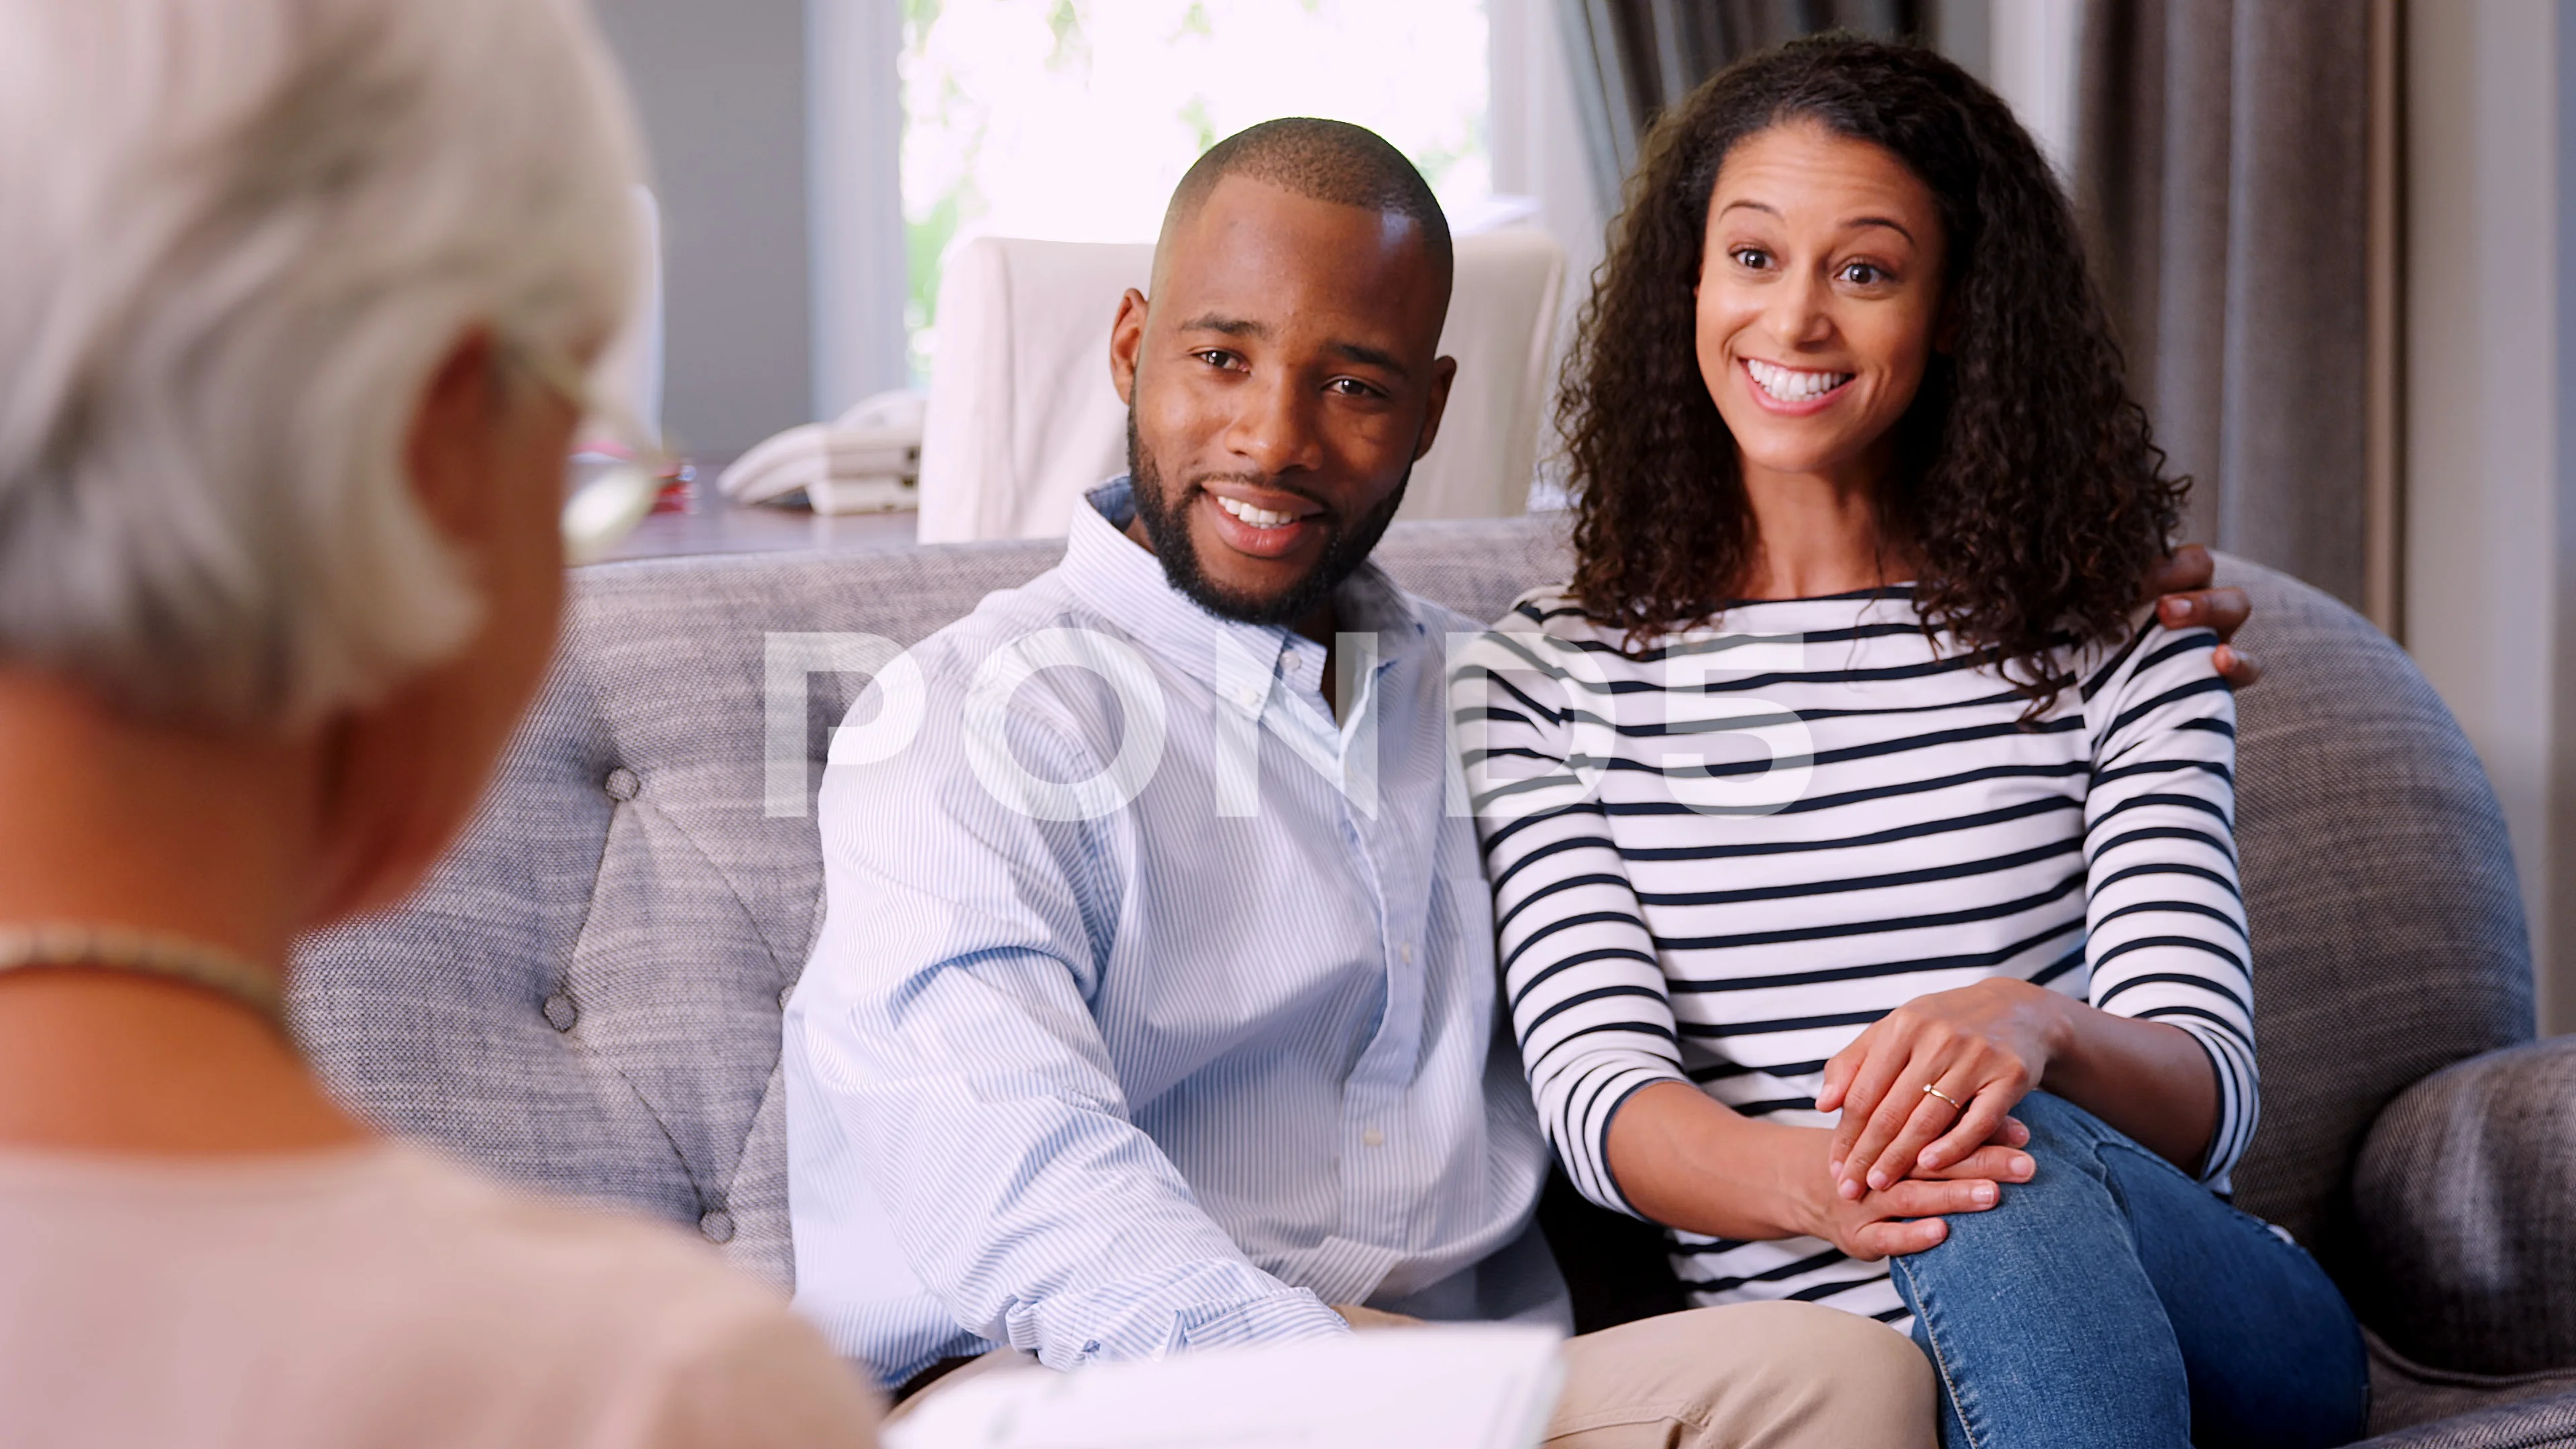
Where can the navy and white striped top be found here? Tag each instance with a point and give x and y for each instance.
(1718, 859)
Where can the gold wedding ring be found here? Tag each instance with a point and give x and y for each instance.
(1931, 1090)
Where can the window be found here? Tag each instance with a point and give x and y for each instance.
(1071, 120)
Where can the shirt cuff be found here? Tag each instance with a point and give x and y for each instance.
(1279, 1318)
(1154, 1324)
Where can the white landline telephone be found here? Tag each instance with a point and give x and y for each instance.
(868, 460)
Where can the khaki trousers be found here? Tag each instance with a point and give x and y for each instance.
(1747, 1376)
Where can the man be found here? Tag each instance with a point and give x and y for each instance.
(1155, 1004)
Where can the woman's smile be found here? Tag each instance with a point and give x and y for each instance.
(1794, 391)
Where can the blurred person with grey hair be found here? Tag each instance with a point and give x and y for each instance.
(295, 301)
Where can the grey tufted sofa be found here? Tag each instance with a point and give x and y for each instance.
(586, 997)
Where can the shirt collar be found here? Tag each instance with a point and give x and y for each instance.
(1114, 574)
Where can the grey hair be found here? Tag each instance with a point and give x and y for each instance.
(236, 238)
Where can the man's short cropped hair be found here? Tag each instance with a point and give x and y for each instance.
(1322, 160)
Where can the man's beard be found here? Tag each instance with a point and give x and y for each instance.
(1167, 528)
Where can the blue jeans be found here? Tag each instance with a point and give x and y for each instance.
(2111, 1301)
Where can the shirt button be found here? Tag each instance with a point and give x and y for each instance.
(1405, 951)
(1373, 1137)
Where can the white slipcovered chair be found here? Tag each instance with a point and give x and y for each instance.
(1023, 418)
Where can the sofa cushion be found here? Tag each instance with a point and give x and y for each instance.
(2546, 1422)
(2462, 1197)
(2387, 927)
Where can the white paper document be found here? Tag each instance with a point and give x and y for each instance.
(1483, 1386)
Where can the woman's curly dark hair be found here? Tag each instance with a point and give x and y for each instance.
(2027, 488)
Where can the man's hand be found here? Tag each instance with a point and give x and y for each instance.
(1368, 1318)
(2182, 581)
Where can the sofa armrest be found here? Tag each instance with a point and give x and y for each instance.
(2463, 1193)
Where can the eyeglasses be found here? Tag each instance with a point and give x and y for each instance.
(611, 482)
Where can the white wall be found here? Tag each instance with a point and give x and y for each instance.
(2031, 61)
(1539, 151)
(776, 128)
(721, 85)
(1537, 135)
(854, 192)
(2488, 497)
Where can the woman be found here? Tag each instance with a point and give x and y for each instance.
(1844, 777)
(294, 296)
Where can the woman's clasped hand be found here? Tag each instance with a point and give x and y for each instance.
(1926, 1086)
(1903, 1212)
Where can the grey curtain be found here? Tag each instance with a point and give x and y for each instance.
(1635, 57)
(2222, 173)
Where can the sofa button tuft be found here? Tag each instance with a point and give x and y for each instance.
(621, 784)
(560, 1012)
(717, 1225)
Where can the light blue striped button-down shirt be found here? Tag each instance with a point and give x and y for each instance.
(1188, 1070)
